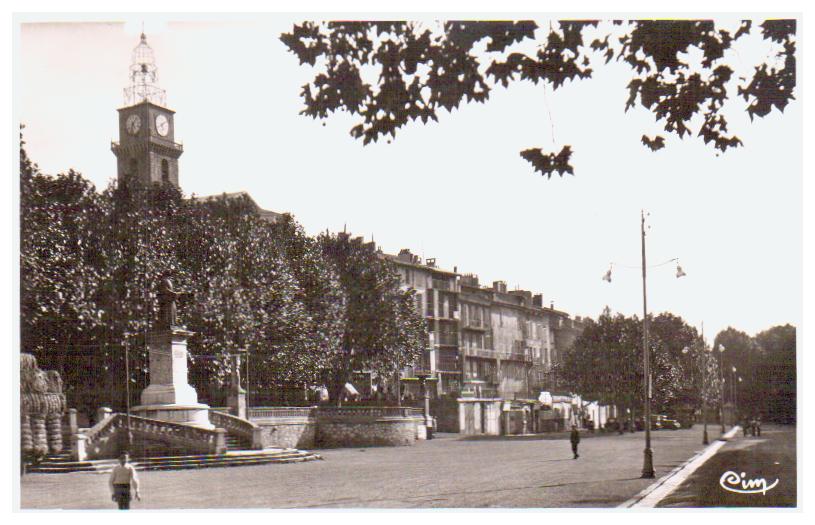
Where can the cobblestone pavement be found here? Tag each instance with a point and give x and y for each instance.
(444, 472)
(770, 456)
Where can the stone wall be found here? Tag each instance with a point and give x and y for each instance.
(331, 427)
(342, 431)
(288, 432)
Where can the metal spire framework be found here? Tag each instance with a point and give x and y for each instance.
(144, 77)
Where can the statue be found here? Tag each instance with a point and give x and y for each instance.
(42, 405)
(166, 304)
(235, 382)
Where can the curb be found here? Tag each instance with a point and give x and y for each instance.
(660, 489)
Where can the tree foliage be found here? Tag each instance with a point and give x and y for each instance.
(605, 362)
(766, 364)
(383, 331)
(304, 308)
(390, 73)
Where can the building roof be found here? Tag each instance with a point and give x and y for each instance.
(268, 215)
(414, 263)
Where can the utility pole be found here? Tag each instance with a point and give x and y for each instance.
(705, 382)
(127, 392)
(648, 455)
(721, 388)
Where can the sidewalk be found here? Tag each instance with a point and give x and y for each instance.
(772, 456)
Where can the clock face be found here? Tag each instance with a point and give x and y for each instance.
(133, 124)
(162, 125)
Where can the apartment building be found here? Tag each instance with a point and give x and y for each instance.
(437, 299)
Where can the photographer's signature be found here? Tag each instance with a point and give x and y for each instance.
(735, 482)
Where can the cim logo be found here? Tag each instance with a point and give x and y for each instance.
(735, 482)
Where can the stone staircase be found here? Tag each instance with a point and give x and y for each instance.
(234, 442)
(238, 453)
(62, 463)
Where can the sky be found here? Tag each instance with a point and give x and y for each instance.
(456, 190)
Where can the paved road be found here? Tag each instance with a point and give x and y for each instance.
(444, 472)
(771, 456)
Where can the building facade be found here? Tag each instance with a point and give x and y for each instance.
(437, 300)
(484, 341)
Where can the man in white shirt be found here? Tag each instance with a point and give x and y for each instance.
(121, 479)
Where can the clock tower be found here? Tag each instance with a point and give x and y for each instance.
(146, 152)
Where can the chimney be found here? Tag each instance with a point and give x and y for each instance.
(469, 279)
(537, 300)
(526, 296)
(431, 262)
(405, 255)
(499, 286)
(552, 305)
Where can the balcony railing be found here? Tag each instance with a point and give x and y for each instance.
(489, 378)
(441, 284)
(446, 338)
(478, 324)
(448, 364)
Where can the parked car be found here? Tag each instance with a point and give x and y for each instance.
(671, 424)
(612, 425)
(656, 422)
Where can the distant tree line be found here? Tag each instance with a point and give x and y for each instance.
(310, 310)
(605, 363)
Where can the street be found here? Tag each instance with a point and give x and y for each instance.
(445, 472)
(771, 456)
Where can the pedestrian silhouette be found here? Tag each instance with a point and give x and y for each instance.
(575, 439)
(122, 478)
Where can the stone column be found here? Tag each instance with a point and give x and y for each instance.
(102, 413)
(220, 441)
(236, 399)
(73, 424)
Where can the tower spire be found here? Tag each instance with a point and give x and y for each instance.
(144, 76)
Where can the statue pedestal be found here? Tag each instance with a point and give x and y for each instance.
(169, 397)
(236, 401)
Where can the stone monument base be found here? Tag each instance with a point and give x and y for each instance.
(192, 414)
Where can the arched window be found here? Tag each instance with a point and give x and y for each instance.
(165, 171)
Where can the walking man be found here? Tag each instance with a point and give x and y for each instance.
(575, 439)
(121, 479)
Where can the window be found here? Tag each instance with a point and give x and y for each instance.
(165, 171)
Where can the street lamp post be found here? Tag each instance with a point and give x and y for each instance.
(648, 455)
(127, 392)
(721, 388)
(705, 385)
(736, 398)
(733, 394)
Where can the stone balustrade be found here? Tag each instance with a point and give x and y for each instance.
(238, 426)
(275, 412)
(370, 412)
(104, 438)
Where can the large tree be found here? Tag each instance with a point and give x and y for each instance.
(605, 362)
(775, 374)
(739, 351)
(388, 74)
(383, 331)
